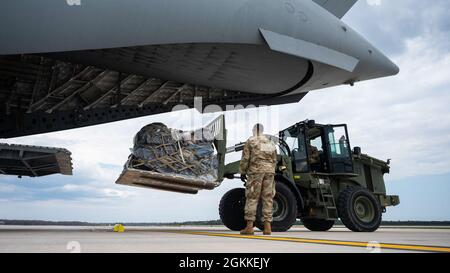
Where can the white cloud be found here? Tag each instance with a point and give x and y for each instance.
(374, 2)
(5, 188)
(95, 190)
(406, 118)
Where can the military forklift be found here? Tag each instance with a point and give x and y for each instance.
(319, 179)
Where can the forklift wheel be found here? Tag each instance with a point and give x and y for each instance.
(231, 209)
(359, 209)
(284, 209)
(317, 224)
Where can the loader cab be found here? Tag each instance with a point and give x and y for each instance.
(318, 148)
(340, 158)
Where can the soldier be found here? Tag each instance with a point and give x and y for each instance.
(314, 155)
(258, 162)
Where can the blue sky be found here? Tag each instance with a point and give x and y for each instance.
(405, 118)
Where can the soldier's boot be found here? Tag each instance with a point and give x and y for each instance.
(249, 229)
(267, 228)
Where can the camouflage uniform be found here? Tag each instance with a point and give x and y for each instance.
(258, 162)
(314, 156)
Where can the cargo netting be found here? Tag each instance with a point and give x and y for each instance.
(190, 154)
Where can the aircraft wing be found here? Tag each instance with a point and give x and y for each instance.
(337, 7)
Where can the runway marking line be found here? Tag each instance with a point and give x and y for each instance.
(326, 242)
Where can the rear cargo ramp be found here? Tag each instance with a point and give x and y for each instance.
(34, 161)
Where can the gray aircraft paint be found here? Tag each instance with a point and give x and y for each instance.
(206, 42)
(337, 7)
(307, 50)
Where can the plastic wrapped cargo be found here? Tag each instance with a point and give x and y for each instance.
(175, 160)
(164, 150)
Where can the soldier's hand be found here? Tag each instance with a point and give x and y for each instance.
(244, 178)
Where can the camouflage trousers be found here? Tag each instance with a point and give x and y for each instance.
(259, 186)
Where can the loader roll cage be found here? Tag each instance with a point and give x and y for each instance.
(318, 148)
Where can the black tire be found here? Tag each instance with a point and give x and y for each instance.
(359, 209)
(317, 224)
(231, 209)
(284, 209)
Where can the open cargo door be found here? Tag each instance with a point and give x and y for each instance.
(34, 161)
(170, 162)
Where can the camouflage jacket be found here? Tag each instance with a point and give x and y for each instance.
(259, 156)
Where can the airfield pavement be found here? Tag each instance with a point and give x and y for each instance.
(215, 239)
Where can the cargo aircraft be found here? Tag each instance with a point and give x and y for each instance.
(72, 63)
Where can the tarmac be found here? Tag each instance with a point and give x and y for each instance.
(216, 239)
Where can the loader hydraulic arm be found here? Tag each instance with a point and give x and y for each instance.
(236, 148)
